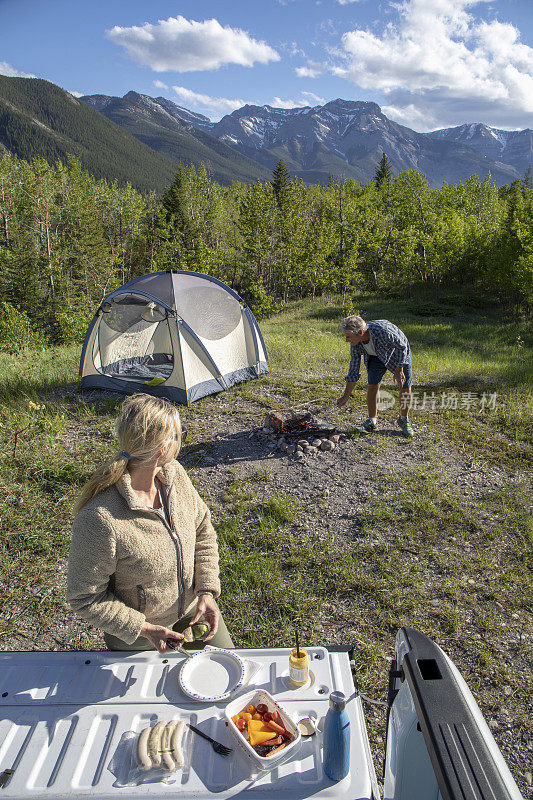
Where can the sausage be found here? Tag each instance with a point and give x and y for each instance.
(175, 743)
(277, 749)
(144, 761)
(275, 727)
(154, 743)
(168, 761)
(275, 742)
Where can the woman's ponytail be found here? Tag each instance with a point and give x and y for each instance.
(106, 476)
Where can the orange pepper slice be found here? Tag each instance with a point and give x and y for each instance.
(260, 737)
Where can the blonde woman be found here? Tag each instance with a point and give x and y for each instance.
(143, 563)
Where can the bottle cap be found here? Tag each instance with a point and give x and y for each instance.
(337, 701)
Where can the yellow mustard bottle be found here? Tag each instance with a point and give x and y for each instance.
(298, 667)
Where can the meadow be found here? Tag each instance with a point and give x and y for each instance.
(440, 528)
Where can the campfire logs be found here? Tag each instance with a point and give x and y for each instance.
(300, 433)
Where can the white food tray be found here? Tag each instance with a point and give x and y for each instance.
(256, 697)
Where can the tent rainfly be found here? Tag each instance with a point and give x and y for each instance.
(176, 334)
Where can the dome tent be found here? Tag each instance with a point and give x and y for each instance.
(175, 334)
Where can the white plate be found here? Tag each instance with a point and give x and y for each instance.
(211, 675)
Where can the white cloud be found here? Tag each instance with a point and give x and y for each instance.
(182, 45)
(310, 97)
(216, 106)
(277, 102)
(160, 85)
(10, 72)
(293, 49)
(306, 99)
(75, 94)
(439, 65)
(312, 70)
(347, 2)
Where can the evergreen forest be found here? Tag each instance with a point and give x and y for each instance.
(67, 239)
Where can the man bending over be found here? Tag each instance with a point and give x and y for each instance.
(384, 347)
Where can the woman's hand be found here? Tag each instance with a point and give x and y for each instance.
(158, 635)
(206, 607)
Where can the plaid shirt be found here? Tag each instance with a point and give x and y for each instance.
(390, 344)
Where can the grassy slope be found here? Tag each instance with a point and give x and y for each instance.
(471, 553)
(40, 120)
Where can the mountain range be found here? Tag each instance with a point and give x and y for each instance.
(40, 120)
(168, 130)
(141, 139)
(343, 137)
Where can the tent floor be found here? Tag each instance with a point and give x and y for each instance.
(142, 368)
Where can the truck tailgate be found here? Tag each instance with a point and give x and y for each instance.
(63, 715)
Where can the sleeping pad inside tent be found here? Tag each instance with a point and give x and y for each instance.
(179, 335)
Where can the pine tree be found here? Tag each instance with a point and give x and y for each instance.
(383, 172)
(281, 179)
(174, 200)
(527, 182)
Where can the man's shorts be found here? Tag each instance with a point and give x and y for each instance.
(377, 369)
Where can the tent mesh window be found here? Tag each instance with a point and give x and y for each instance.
(134, 340)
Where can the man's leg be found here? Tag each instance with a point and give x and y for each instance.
(369, 426)
(376, 370)
(406, 398)
(372, 395)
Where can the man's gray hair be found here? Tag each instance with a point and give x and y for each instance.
(354, 323)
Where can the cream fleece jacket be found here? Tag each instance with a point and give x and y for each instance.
(126, 567)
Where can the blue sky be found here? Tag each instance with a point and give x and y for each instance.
(428, 63)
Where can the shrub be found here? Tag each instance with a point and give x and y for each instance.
(70, 323)
(16, 332)
(257, 298)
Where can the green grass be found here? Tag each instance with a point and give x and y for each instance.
(35, 373)
(475, 348)
(475, 351)
(428, 558)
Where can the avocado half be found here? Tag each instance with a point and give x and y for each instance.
(196, 632)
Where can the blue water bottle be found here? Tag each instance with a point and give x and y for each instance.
(337, 738)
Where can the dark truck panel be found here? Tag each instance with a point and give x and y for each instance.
(464, 764)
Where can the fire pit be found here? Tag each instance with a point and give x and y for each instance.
(300, 433)
(296, 425)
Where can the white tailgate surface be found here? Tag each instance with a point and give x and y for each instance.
(63, 715)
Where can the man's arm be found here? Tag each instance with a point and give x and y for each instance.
(350, 386)
(353, 375)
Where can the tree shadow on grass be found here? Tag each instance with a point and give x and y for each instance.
(466, 381)
(328, 314)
